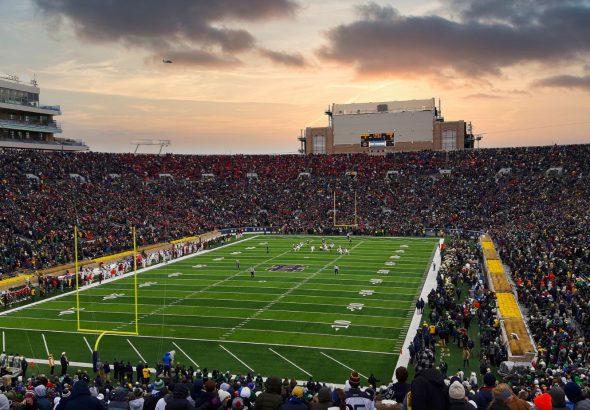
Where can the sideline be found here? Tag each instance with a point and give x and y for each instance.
(125, 275)
(429, 284)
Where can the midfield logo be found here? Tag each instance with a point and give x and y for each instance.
(286, 268)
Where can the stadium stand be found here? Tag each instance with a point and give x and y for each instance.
(539, 222)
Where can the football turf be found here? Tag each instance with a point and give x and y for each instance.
(295, 319)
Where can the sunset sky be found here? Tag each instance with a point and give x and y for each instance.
(249, 74)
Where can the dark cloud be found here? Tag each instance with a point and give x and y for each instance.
(566, 81)
(193, 30)
(485, 37)
(292, 60)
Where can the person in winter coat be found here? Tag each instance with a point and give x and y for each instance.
(295, 402)
(119, 399)
(271, 398)
(136, 403)
(40, 395)
(210, 400)
(484, 396)
(429, 391)
(179, 400)
(457, 397)
(324, 400)
(557, 398)
(158, 391)
(575, 395)
(81, 399)
(398, 391)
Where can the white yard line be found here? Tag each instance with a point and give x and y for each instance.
(429, 283)
(45, 343)
(237, 358)
(289, 361)
(136, 351)
(342, 364)
(88, 344)
(184, 353)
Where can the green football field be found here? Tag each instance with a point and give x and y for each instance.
(295, 319)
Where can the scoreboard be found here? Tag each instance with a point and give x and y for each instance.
(378, 140)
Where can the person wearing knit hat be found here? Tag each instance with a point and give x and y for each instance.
(354, 380)
(557, 398)
(355, 397)
(485, 395)
(223, 395)
(457, 397)
(245, 393)
(295, 402)
(456, 391)
(42, 402)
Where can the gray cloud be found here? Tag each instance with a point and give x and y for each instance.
(566, 81)
(195, 31)
(292, 60)
(486, 36)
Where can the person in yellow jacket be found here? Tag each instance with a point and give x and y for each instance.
(146, 375)
(51, 363)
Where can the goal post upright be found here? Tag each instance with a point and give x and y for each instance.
(353, 225)
(135, 280)
(76, 274)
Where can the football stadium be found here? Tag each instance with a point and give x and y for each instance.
(157, 253)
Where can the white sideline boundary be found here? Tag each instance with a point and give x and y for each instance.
(429, 284)
(125, 275)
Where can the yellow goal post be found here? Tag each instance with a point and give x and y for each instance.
(102, 332)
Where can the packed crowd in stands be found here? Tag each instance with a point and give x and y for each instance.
(532, 201)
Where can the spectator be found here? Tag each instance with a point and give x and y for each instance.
(295, 402)
(271, 398)
(429, 391)
(457, 399)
